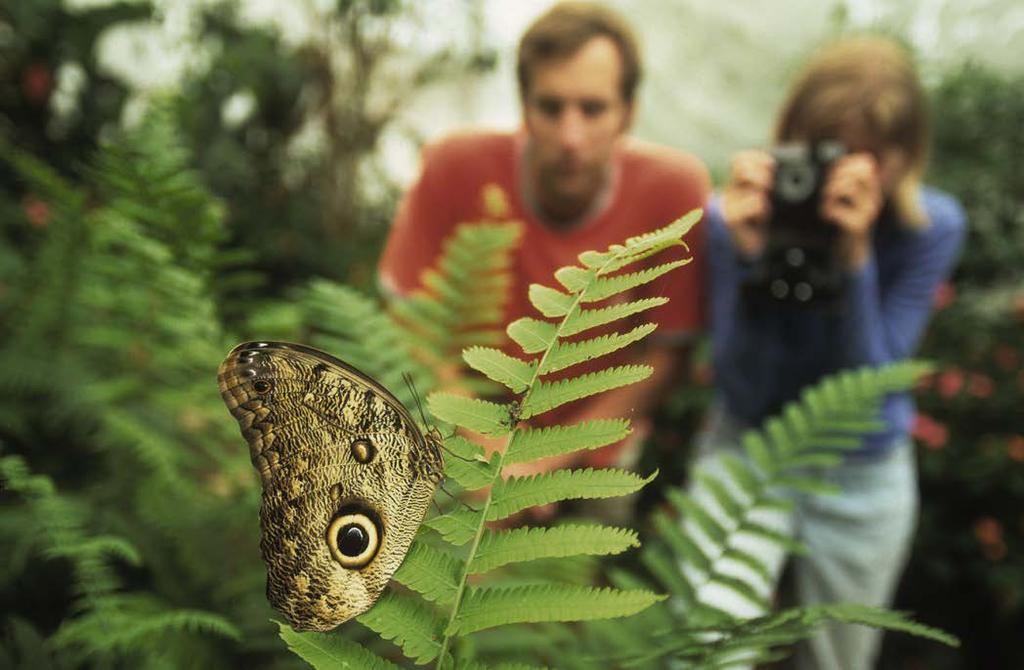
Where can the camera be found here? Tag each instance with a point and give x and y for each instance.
(800, 263)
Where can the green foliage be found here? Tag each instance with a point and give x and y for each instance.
(112, 334)
(109, 624)
(437, 627)
(416, 335)
(970, 540)
(703, 533)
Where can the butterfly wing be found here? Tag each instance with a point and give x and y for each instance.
(347, 477)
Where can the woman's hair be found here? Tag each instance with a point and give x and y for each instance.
(868, 86)
(565, 28)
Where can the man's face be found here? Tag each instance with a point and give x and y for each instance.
(574, 113)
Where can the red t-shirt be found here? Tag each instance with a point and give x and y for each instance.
(651, 187)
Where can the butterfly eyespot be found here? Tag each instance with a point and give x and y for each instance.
(363, 450)
(262, 386)
(353, 539)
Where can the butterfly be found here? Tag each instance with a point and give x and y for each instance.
(347, 477)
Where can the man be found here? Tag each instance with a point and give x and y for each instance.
(576, 182)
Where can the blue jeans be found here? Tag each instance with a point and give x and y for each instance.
(858, 541)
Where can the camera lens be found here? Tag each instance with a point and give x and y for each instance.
(803, 291)
(795, 257)
(779, 288)
(795, 182)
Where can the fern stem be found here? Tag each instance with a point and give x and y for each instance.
(469, 560)
(445, 643)
(611, 263)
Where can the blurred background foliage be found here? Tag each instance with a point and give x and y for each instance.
(172, 175)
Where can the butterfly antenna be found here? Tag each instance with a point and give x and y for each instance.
(407, 378)
(456, 499)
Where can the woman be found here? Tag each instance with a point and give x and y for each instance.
(895, 242)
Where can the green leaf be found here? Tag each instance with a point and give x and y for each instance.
(407, 622)
(546, 396)
(607, 287)
(585, 319)
(533, 335)
(550, 302)
(758, 451)
(430, 572)
(499, 548)
(573, 278)
(329, 651)
(691, 510)
(743, 589)
(517, 493)
(457, 527)
(489, 607)
(642, 246)
(880, 618)
(502, 368)
(666, 570)
(682, 544)
(595, 259)
(567, 354)
(471, 474)
(482, 416)
(529, 444)
(808, 485)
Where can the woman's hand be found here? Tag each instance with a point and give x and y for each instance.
(852, 199)
(746, 201)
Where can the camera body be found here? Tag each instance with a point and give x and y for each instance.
(800, 264)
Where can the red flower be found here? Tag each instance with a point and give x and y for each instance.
(944, 296)
(36, 83)
(989, 533)
(37, 211)
(950, 382)
(988, 530)
(930, 432)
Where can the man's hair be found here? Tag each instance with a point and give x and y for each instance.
(565, 28)
(868, 83)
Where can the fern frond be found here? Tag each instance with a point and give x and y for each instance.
(605, 288)
(456, 527)
(407, 622)
(481, 416)
(502, 368)
(585, 319)
(359, 330)
(517, 493)
(567, 354)
(753, 639)
(489, 607)
(475, 609)
(498, 548)
(529, 444)
(430, 572)
(471, 475)
(533, 335)
(332, 652)
(546, 396)
(713, 538)
(550, 302)
(466, 292)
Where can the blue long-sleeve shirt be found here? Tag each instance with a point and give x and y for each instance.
(764, 358)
